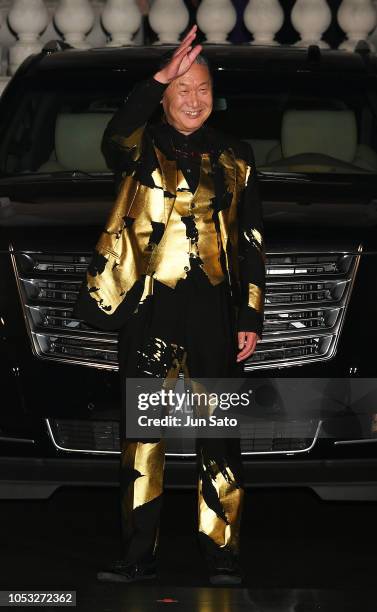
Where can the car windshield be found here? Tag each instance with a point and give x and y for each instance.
(317, 122)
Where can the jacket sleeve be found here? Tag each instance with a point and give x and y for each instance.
(120, 146)
(251, 253)
(122, 138)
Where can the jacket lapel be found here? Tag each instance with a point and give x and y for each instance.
(169, 181)
(229, 171)
(226, 204)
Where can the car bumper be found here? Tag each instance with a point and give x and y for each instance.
(33, 478)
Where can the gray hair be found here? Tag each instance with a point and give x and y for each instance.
(200, 59)
(203, 61)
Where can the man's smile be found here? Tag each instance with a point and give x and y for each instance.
(192, 113)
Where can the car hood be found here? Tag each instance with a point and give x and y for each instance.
(298, 212)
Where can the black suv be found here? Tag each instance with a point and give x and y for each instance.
(311, 117)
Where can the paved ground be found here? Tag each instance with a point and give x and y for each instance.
(300, 553)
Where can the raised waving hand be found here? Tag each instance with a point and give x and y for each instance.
(182, 59)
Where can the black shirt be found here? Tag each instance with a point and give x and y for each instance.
(186, 150)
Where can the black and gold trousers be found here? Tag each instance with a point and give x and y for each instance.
(192, 329)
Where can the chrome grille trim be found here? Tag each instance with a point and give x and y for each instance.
(183, 454)
(84, 336)
(317, 343)
(19, 440)
(85, 346)
(75, 450)
(291, 452)
(361, 441)
(298, 327)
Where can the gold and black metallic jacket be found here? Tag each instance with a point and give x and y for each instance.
(137, 242)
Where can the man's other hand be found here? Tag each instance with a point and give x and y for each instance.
(182, 59)
(247, 341)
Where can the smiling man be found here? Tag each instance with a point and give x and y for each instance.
(188, 100)
(179, 270)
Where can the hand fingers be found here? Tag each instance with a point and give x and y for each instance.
(192, 55)
(184, 60)
(249, 347)
(190, 33)
(182, 51)
(185, 54)
(246, 351)
(186, 41)
(245, 354)
(241, 339)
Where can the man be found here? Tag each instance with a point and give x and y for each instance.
(179, 270)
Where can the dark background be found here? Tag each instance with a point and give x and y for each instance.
(291, 539)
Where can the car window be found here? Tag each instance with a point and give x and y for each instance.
(303, 122)
(295, 123)
(59, 131)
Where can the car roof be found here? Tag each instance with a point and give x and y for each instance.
(222, 57)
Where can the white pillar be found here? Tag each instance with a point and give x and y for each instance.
(75, 19)
(263, 18)
(216, 18)
(28, 18)
(168, 18)
(356, 18)
(311, 18)
(121, 18)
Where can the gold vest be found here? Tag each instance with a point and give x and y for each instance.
(190, 233)
(126, 242)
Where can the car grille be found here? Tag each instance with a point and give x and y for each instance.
(102, 437)
(305, 303)
(49, 285)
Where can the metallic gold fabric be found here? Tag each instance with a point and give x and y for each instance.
(256, 239)
(157, 355)
(256, 297)
(220, 492)
(131, 143)
(148, 460)
(231, 497)
(191, 232)
(143, 464)
(229, 493)
(236, 172)
(126, 246)
(148, 290)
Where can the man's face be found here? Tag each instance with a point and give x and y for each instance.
(188, 99)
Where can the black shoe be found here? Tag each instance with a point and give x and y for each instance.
(123, 571)
(224, 570)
